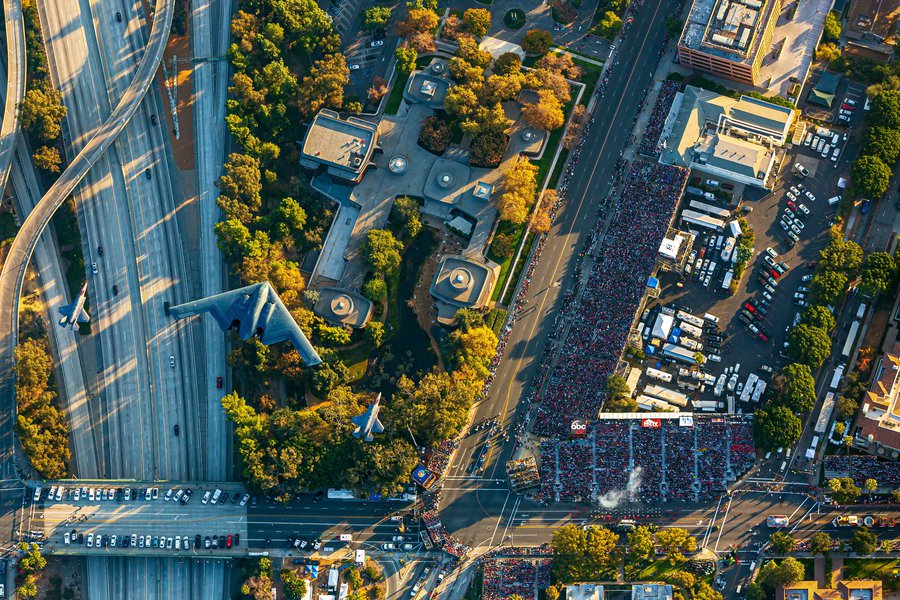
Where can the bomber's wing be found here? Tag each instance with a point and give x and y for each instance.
(377, 427)
(83, 316)
(66, 312)
(282, 327)
(217, 306)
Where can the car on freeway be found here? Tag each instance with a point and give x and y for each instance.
(154, 120)
(176, 429)
(172, 360)
(219, 382)
(94, 269)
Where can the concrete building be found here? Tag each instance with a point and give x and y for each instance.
(343, 147)
(639, 591)
(343, 307)
(462, 282)
(427, 87)
(725, 138)
(878, 424)
(863, 589)
(729, 38)
(871, 29)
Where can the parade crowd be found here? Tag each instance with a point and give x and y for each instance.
(598, 322)
(670, 461)
(650, 140)
(885, 473)
(504, 577)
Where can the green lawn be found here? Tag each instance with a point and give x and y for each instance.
(516, 233)
(589, 77)
(396, 97)
(870, 568)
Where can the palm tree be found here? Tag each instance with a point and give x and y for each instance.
(848, 441)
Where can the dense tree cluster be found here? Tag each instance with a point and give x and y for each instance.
(587, 553)
(258, 584)
(31, 563)
(773, 574)
(435, 135)
(286, 451)
(871, 172)
(42, 427)
(537, 41)
(519, 190)
(878, 272)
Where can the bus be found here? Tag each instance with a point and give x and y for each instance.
(851, 338)
(836, 378)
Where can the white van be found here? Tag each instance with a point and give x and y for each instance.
(835, 138)
(216, 496)
(711, 318)
(206, 498)
(37, 494)
(712, 183)
(835, 154)
(808, 140)
(834, 200)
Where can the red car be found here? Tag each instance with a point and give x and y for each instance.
(792, 206)
(774, 273)
(760, 335)
(219, 382)
(750, 307)
(228, 541)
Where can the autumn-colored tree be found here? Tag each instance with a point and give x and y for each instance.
(378, 90)
(537, 41)
(477, 21)
(518, 192)
(541, 221)
(47, 159)
(546, 113)
(324, 86)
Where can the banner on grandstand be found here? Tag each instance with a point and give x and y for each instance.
(651, 423)
(686, 421)
(718, 420)
(578, 429)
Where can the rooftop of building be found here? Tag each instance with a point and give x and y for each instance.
(427, 87)
(343, 307)
(879, 420)
(863, 589)
(873, 20)
(462, 282)
(343, 143)
(727, 28)
(735, 135)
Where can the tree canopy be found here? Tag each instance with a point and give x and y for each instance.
(537, 41)
(809, 345)
(818, 316)
(796, 388)
(878, 270)
(775, 427)
(583, 554)
(382, 251)
(870, 176)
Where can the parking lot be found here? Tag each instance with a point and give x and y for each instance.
(793, 221)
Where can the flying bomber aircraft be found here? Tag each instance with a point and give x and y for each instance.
(254, 310)
(368, 423)
(74, 313)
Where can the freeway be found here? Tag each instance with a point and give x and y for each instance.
(15, 85)
(22, 247)
(473, 505)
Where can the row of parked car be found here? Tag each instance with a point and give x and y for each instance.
(92, 494)
(99, 540)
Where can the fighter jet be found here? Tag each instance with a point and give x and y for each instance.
(255, 310)
(74, 313)
(368, 423)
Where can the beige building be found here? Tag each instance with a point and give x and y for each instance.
(729, 38)
(723, 137)
(878, 424)
(864, 589)
(343, 307)
(462, 282)
(343, 146)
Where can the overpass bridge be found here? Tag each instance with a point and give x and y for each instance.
(263, 526)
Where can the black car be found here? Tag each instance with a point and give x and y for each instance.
(115, 290)
(253, 501)
(235, 498)
(100, 250)
(197, 541)
(223, 498)
(118, 16)
(148, 174)
(236, 540)
(153, 119)
(177, 429)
